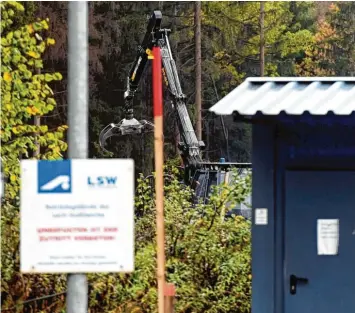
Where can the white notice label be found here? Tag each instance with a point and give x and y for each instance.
(327, 236)
(261, 217)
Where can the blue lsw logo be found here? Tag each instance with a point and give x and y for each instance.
(103, 181)
(54, 176)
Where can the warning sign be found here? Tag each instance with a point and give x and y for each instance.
(77, 216)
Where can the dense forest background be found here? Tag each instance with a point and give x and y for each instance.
(297, 39)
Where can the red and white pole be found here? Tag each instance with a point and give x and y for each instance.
(159, 168)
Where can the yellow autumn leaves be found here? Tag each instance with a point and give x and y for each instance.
(24, 93)
(30, 29)
(50, 41)
(36, 55)
(32, 110)
(7, 77)
(33, 54)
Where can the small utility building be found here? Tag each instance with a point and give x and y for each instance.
(303, 197)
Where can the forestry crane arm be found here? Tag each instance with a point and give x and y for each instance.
(205, 173)
(190, 147)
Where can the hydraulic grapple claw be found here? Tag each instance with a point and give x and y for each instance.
(124, 127)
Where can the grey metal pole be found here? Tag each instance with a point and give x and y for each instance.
(77, 291)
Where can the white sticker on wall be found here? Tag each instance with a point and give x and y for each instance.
(261, 217)
(327, 236)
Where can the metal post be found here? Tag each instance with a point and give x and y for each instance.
(77, 292)
(169, 300)
(159, 164)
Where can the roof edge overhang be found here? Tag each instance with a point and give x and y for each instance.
(299, 79)
(272, 96)
(260, 118)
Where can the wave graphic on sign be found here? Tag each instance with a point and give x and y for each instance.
(62, 181)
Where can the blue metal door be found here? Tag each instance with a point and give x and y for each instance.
(323, 283)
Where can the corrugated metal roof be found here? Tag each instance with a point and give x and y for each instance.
(293, 95)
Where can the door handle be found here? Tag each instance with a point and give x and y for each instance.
(294, 280)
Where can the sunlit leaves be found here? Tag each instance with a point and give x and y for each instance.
(24, 94)
(33, 54)
(232, 33)
(333, 51)
(319, 56)
(7, 77)
(295, 42)
(50, 41)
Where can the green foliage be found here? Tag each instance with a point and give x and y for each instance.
(332, 53)
(231, 52)
(24, 94)
(342, 18)
(237, 39)
(319, 60)
(207, 257)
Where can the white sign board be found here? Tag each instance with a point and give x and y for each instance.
(77, 216)
(327, 236)
(261, 217)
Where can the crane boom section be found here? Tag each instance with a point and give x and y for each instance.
(190, 146)
(199, 174)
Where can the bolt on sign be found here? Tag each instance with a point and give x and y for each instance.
(77, 216)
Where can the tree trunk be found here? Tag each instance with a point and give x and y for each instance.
(37, 118)
(262, 39)
(37, 122)
(198, 83)
(207, 157)
(177, 137)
